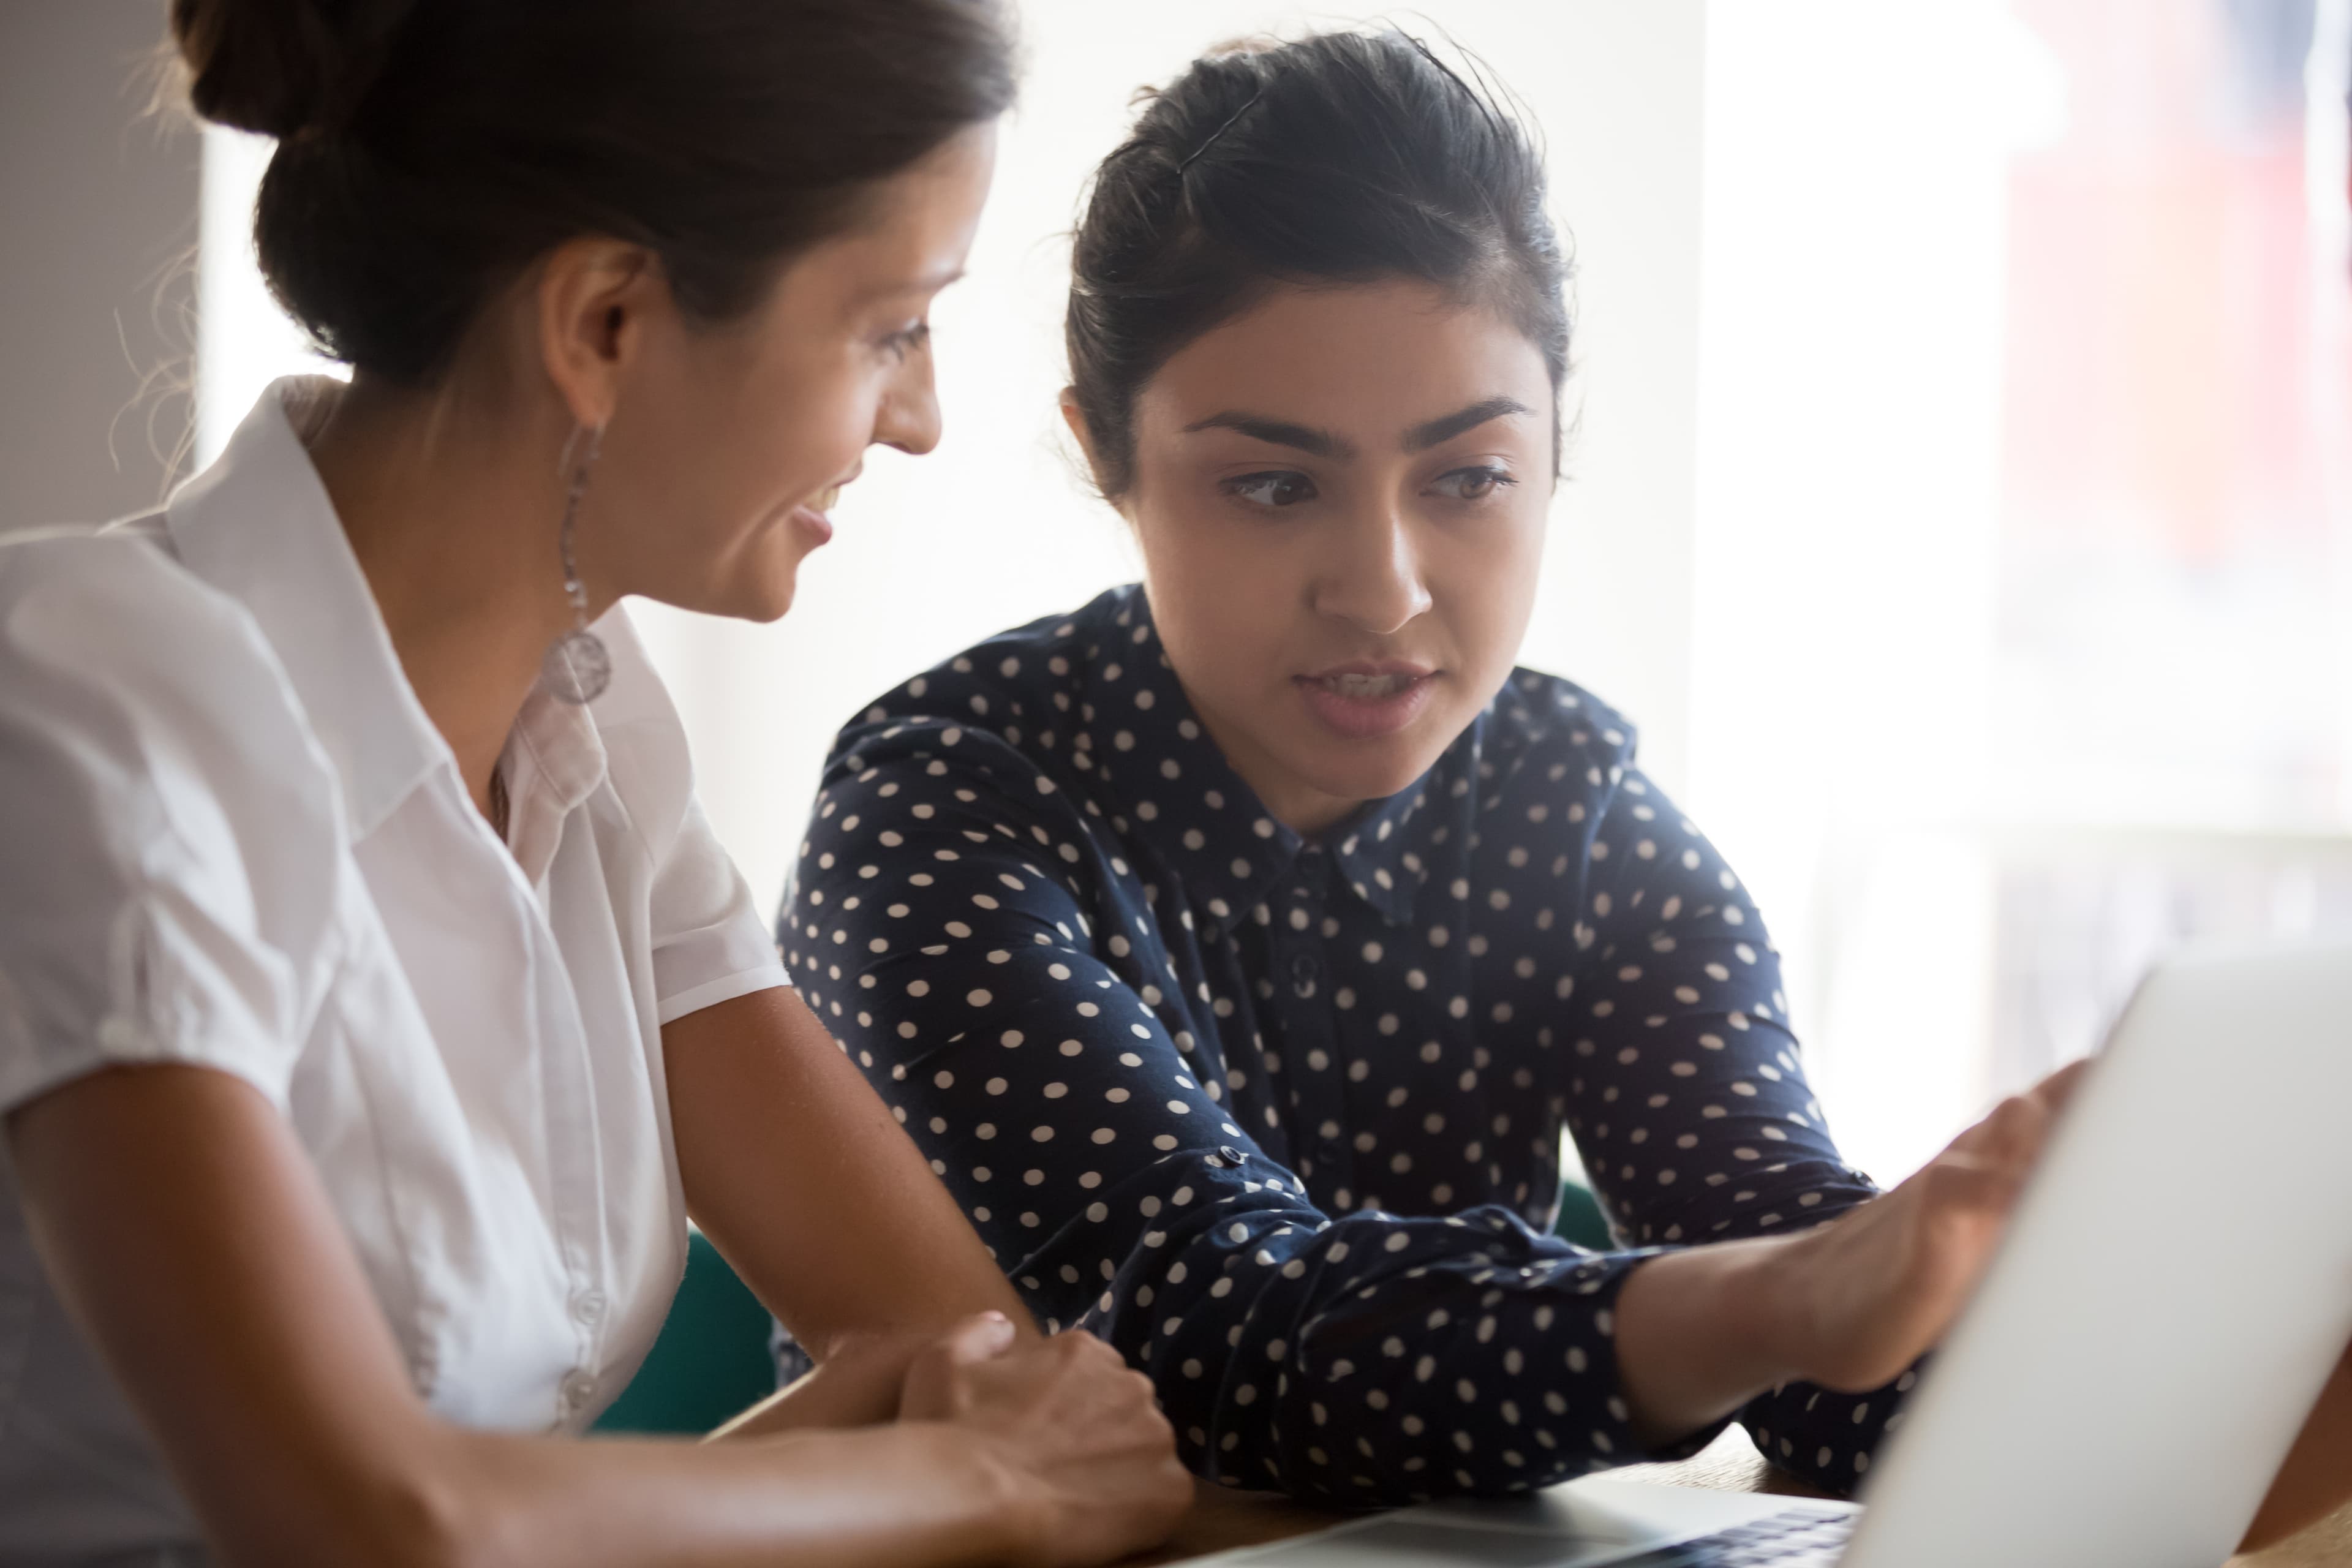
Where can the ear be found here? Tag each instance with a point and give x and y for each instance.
(596, 299)
(1076, 421)
(1078, 424)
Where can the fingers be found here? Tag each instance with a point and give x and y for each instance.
(1960, 1186)
(2059, 1088)
(2013, 1132)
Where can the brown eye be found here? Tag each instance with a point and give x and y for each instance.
(1272, 489)
(1472, 484)
(901, 344)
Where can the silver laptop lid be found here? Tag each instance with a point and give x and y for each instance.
(2171, 1293)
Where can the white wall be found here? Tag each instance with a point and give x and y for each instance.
(1857, 158)
(98, 223)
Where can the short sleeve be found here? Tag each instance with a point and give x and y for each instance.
(172, 843)
(711, 941)
(711, 944)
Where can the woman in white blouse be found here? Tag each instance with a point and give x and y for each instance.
(375, 1005)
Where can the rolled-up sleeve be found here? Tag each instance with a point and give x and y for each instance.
(1687, 1095)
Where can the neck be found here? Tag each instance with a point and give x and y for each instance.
(1288, 799)
(453, 512)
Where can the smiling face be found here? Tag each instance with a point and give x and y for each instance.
(1341, 498)
(728, 443)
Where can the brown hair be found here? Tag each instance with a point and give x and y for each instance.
(1340, 158)
(430, 150)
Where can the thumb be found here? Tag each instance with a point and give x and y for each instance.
(981, 1337)
(931, 1389)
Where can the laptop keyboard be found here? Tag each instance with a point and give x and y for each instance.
(1793, 1537)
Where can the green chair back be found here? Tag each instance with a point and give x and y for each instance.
(1581, 1219)
(712, 1361)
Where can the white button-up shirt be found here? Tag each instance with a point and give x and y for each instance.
(229, 836)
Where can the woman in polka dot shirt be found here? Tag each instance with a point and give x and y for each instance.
(1238, 946)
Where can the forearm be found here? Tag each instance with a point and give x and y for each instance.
(858, 1385)
(812, 1191)
(1700, 1335)
(912, 1495)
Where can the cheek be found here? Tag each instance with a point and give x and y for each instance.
(1485, 584)
(1224, 597)
(800, 427)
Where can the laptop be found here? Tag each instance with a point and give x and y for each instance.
(2172, 1291)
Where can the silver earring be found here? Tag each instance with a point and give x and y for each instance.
(576, 668)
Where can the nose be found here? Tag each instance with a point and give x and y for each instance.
(1373, 580)
(908, 417)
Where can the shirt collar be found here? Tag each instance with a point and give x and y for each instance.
(1144, 740)
(554, 761)
(258, 526)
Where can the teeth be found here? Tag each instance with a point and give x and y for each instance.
(1367, 685)
(823, 501)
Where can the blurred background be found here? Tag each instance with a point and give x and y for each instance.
(1959, 505)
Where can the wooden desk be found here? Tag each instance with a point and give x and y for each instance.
(1222, 1520)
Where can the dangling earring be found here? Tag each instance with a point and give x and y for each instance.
(576, 668)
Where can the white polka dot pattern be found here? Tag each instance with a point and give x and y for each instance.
(1280, 1118)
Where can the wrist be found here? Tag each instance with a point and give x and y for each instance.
(1702, 1330)
(1776, 1276)
(1012, 1518)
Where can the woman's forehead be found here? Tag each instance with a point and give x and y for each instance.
(1373, 364)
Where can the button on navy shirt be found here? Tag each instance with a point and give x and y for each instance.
(1280, 1117)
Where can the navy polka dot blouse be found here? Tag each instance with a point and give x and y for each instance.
(1280, 1117)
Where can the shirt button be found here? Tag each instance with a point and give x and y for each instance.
(1304, 973)
(588, 1307)
(1232, 1156)
(578, 1388)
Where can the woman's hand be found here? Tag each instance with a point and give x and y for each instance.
(1850, 1305)
(1867, 1294)
(1091, 1461)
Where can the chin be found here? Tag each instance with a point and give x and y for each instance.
(775, 602)
(768, 585)
(756, 596)
(1369, 771)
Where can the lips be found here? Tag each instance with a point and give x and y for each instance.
(1367, 698)
(813, 515)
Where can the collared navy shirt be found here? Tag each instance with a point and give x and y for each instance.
(1280, 1117)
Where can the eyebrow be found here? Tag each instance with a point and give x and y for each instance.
(1324, 444)
(929, 283)
(1277, 433)
(1422, 437)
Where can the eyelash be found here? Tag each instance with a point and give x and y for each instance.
(902, 343)
(1495, 479)
(1238, 487)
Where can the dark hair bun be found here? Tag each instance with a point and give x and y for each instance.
(280, 66)
(429, 150)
